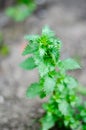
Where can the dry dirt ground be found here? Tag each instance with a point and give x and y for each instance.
(68, 19)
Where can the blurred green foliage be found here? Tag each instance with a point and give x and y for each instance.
(4, 50)
(25, 1)
(22, 10)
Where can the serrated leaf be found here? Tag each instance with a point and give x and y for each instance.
(60, 87)
(46, 31)
(49, 85)
(33, 90)
(48, 121)
(28, 64)
(63, 107)
(68, 64)
(27, 50)
(41, 52)
(31, 37)
(43, 69)
(71, 82)
(30, 48)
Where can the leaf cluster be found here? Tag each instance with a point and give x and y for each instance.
(64, 106)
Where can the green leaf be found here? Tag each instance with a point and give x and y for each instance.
(16, 13)
(33, 90)
(28, 64)
(46, 31)
(49, 85)
(48, 121)
(63, 107)
(43, 69)
(68, 64)
(31, 37)
(29, 49)
(41, 52)
(71, 82)
(21, 11)
(32, 46)
(42, 94)
(60, 87)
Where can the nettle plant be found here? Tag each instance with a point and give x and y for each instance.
(64, 109)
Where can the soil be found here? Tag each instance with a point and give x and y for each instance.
(68, 19)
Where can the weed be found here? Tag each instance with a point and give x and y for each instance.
(64, 107)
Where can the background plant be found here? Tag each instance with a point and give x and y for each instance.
(4, 50)
(22, 10)
(64, 107)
